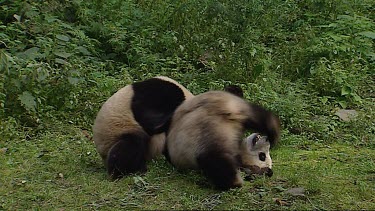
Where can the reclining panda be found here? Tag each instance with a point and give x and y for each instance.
(130, 127)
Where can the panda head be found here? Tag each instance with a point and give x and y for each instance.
(259, 153)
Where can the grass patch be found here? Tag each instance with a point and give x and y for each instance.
(60, 169)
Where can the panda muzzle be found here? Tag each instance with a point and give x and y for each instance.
(260, 171)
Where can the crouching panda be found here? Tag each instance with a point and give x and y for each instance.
(206, 133)
(130, 127)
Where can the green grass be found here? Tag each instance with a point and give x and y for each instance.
(304, 60)
(60, 169)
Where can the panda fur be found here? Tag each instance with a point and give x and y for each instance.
(255, 156)
(130, 127)
(206, 133)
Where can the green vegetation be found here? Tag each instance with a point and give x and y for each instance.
(60, 60)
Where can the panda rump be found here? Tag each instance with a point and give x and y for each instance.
(130, 126)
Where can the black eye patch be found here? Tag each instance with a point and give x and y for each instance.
(262, 156)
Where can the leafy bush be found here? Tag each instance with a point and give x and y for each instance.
(42, 64)
(332, 79)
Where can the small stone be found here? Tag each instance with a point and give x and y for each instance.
(296, 191)
(61, 176)
(346, 115)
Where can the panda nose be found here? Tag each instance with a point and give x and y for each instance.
(269, 172)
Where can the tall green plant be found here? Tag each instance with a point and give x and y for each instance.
(37, 65)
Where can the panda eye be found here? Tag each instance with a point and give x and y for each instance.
(262, 156)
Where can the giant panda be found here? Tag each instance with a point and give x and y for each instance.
(130, 127)
(206, 133)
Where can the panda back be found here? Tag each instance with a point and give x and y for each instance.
(114, 119)
(209, 121)
(154, 102)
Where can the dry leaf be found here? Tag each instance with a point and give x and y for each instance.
(280, 202)
(87, 135)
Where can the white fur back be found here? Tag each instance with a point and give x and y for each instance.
(113, 119)
(213, 117)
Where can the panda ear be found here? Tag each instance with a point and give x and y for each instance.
(252, 139)
(234, 89)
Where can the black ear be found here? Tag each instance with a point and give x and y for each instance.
(254, 141)
(234, 89)
(265, 122)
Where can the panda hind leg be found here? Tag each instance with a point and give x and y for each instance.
(128, 155)
(221, 168)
